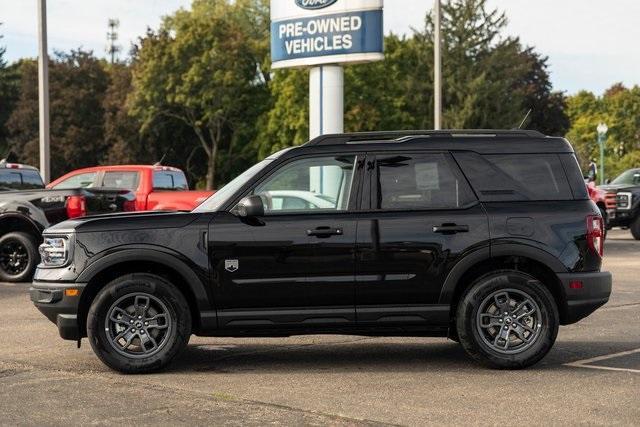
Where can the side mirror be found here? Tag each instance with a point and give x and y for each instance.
(250, 207)
(607, 181)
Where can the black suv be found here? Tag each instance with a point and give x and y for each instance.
(487, 237)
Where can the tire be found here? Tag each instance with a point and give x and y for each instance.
(605, 220)
(480, 326)
(165, 322)
(18, 257)
(635, 228)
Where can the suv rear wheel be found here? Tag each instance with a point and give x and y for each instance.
(507, 320)
(138, 323)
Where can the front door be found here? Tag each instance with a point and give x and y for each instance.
(422, 217)
(295, 265)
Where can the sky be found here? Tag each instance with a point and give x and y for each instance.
(591, 44)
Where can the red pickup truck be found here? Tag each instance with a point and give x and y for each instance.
(155, 187)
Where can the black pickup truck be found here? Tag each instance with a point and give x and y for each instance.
(623, 201)
(27, 208)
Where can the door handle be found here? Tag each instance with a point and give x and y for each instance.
(325, 232)
(450, 228)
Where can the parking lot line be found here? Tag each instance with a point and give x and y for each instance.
(586, 363)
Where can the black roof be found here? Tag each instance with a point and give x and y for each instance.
(481, 141)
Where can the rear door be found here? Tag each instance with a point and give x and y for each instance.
(422, 218)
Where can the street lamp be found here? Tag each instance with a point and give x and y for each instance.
(602, 137)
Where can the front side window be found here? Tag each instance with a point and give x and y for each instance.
(419, 181)
(81, 180)
(121, 179)
(309, 185)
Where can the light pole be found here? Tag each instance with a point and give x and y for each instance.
(43, 91)
(602, 137)
(437, 68)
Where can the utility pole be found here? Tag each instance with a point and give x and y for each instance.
(112, 36)
(437, 67)
(43, 91)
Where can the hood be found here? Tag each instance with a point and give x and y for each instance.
(124, 221)
(616, 187)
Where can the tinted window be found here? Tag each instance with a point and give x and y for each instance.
(82, 180)
(10, 180)
(169, 180)
(420, 181)
(31, 179)
(321, 183)
(121, 179)
(502, 177)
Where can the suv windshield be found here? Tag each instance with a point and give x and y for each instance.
(221, 196)
(630, 177)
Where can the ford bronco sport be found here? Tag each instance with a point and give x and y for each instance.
(487, 237)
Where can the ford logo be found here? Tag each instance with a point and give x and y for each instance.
(315, 4)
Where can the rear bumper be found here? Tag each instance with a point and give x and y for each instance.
(581, 302)
(54, 302)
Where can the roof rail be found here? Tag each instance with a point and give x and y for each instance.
(346, 138)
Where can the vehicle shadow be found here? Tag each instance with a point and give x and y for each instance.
(363, 355)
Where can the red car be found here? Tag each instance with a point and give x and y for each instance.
(155, 187)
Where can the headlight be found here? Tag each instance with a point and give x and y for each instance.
(54, 251)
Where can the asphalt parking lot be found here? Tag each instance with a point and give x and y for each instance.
(592, 376)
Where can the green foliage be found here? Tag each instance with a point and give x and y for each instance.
(9, 93)
(204, 68)
(619, 108)
(78, 83)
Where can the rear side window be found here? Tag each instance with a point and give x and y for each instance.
(420, 181)
(121, 179)
(31, 179)
(509, 177)
(169, 181)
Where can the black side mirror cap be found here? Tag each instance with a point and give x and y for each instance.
(250, 207)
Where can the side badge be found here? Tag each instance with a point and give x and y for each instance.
(231, 265)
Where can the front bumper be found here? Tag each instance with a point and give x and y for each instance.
(582, 301)
(59, 306)
(619, 218)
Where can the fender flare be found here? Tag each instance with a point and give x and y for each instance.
(37, 228)
(486, 254)
(173, 261)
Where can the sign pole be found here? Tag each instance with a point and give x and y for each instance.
(43, 90)
(437, 68)
(326, 100)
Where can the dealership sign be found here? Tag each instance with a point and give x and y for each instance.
(316, 32)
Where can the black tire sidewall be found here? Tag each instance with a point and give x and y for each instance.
(135, 283)
(466, 319)
(30, 245)
(635, 228)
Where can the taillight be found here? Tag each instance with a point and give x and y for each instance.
(595, 234)
(76, 206)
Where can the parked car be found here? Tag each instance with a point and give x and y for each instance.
(155, 187)
(27, 208)
(487, 237)
(623, 201)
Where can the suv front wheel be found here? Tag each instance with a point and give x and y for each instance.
(507, 320)
(138, 323)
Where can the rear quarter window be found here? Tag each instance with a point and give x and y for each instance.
(516, 177)
(169, 181)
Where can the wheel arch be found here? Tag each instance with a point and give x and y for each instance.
(15, 221)
(533, 261)
(161, 264)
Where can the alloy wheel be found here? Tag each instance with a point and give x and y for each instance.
(509, 321)
(14, 257)
(138, 325)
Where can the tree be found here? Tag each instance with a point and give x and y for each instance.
(205, 67)
(9, 93)
(78, 83)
